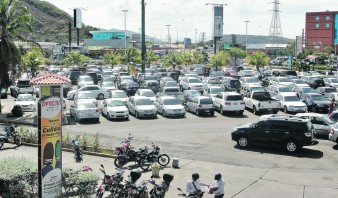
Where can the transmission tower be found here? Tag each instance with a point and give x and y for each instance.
(275, 31)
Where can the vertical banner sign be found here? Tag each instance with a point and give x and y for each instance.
(218, 21)
(289, 62)
(50, 137)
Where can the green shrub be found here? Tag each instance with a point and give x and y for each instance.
(78, 182)
(96, 142)
(85, 141)
(66, 140)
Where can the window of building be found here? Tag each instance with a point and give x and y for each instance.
(317, 18)
(328, 18)
(317, 25)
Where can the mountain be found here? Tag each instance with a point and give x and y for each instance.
(254, 39)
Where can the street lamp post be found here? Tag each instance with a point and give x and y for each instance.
(125, 28)
(169, 43)
(246, 36)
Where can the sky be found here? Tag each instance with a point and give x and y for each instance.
(185, 16)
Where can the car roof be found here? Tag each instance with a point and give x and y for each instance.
(84, 92)
(310, 114)
(202, 97)
(230, 93)
(288, 94)
(140, 97)
(167, 97)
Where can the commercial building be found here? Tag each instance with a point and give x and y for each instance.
(321, 30)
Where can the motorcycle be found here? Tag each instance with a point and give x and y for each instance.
(158, 191)
(10, 134)
(199, 195)
(129, 189)
(77, 150)
(109, 183)
(153, 156)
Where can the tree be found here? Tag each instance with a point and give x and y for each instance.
(173, 59)
(129, 56)
(258, 59)
(112, 58)
(151, 56)
(197, 57)
(328, 50)
(186, 58)
(32, 59)
(75, 58)
(220, 59)
(236, 53)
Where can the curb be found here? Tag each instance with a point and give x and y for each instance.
(71, 151)
(18, 122)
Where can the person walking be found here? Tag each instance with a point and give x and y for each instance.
(194, 186)
(218, 186)
(331, 106)
(309, 103)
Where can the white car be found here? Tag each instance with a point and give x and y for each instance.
(114, 108)
(200, 105)
(169, 106)
(84, 111)
(212, 91)
(141, 106)
(97, 91)
(108, 85)
(191, 83)
(85, 97)
(331, 82)
(147, 93)
(282, 81)
(119, 94)
(84, 80)
(229, 102)
(289, 102)
(26, 102)
(249, 81)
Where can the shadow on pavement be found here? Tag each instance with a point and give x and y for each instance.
(8, 148)
(301, 153)
(335, 147)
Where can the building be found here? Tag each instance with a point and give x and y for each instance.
(321, 30)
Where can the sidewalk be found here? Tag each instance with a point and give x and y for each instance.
(28, 118)
(240, 181)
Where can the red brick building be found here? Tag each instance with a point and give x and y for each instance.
(321, 29)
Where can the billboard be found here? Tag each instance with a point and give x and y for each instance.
(218, 22)
(77, 18)
(108, 35)
(50, 152)
(336, 30)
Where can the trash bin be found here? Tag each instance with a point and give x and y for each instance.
(175, 163)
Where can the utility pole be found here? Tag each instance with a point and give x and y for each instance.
(246, 36)
(195, 35)
(143, 5)
(218, 23)
(275, 27)
(169, 43)
(125, 28)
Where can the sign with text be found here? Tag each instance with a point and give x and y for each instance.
(50, 137)
(218, 21)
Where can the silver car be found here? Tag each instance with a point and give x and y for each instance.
(321, 123)
(81, 111)
(333, 136)
(169, 106)
(200, 105)
(141, 106)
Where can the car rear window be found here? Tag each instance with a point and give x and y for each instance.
(206, 101)
(234, 97)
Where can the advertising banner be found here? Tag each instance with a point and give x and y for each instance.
(50, 137)
(218, 21)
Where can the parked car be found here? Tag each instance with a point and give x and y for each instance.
(97, 91)
(171, 91)
(93, 75)
(334, 96)
(325, 91)
(201, 105)
(166, 79)
(286, 131)
(229, 102)
(85, 97)
(289, 102)
(191, 83)
(114, 108)
(231, 84)
(315, 83)
(119, 94)
(146, 93)
(321, 123)
(247, 90)
(171, 84)
(261, 102)
(26, 102)
(169, 106)
(82, 111)
(130, 87)
(108, 86)
(281, 81)
(320, 103)
(74, 75)
(302, 91)
(246, 73)
(189, 95)
(212, 91)
(141, 106)
(275, 90)
(331, 82)
(84, 80)
(333, 136)
(22, 86)
(249, 81)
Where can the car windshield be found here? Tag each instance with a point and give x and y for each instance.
(108, 84)
(147, 93)
(218, 73)
(299, 82)
(234, 98)
(291, 99)
(283, 80)
(193, 80)
(171, 101)
(86, 106)
(216, 90)
(23, 84)
(119, 95)
(284, 89)
(206, 101)
(86, 79)
(171, 90)
(108, 73)
(308, 90)
(247, 72)
(149, 78)
(327, 120)
(318, 98)
(334, 80)
(171, 84)
(251, 80)
(257, 89)
(234, 82)
(27, 97)
(115, 103)
(108, 79)
(330, 90)
(85, 96)
(141, 102)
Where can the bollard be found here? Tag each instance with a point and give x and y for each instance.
(155, 170)
(175, 163)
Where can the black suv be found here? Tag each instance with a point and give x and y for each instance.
(289, 131)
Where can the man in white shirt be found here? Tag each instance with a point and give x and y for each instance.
(194, 185)
(219, 186)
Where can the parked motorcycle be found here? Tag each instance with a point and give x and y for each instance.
(10, 134)
(109, 183)
(77, 150)
(158, 191)
(153, 156)
(199, 195)
(132, 155)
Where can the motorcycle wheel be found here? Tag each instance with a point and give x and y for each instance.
(120, 161)
(17, 140)
(144, 164)
(163, 159)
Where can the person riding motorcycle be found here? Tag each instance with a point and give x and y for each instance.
(194, 185)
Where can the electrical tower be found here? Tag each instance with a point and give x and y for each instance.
(275, 31)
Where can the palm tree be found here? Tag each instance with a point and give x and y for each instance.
(32, 59)
(131, 55)
(15, 19)
(151, 56)
(75, 58)
(197, 57)
(174, 59)
(187, 58)
(220, 59)
(112, 58)
(258, 59)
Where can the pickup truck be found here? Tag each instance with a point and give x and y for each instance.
(261, 101)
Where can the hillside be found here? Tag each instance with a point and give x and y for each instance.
(253, 39)
(51, 23)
